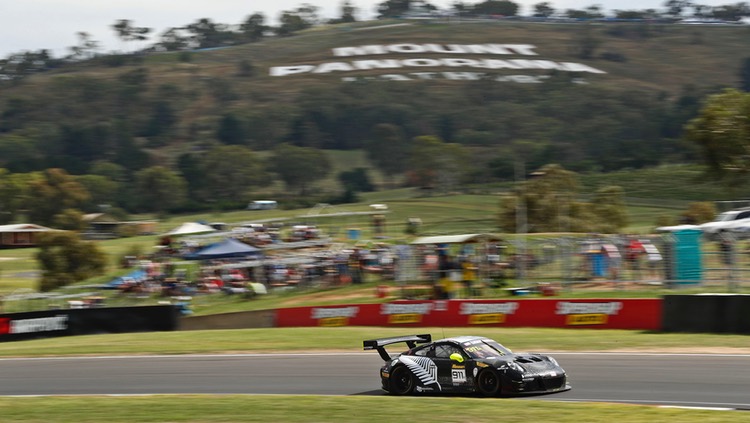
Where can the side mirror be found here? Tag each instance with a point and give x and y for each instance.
(457, 357)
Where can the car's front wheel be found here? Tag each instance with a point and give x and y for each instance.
(488, 383)
(401, 381)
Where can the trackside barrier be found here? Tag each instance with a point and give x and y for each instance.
(50, 323)
(639, 314)
(707, 313)
(683, 313)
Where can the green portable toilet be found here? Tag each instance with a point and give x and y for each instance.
(687, 258)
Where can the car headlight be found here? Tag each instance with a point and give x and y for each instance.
(553, 361)
(515, 366)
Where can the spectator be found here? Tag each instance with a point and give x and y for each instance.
(633, 252)
(727, 250)
(355, 266)
(469, 276)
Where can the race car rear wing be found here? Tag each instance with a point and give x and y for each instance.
(379, 344)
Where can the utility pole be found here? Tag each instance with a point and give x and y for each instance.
(521, 221)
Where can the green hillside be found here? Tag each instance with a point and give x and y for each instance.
(656, 57)
(593, 97)
(659, 59)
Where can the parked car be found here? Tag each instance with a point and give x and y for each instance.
(727, 222)
(262, 205)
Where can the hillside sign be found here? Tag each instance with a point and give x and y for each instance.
(420, 68)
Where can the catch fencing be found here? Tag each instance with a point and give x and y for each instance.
(549, 263)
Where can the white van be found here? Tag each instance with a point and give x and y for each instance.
(262, 205)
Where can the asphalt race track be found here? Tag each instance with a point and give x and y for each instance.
(688, 380)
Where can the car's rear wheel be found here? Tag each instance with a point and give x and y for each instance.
(488, 383)
(401, 381)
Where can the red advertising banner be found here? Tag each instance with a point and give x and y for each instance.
(640, 314)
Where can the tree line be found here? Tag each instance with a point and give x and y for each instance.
(113, 134)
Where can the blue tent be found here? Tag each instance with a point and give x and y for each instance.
(229, 248)
(133, 276)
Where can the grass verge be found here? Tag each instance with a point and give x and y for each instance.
(269, 408)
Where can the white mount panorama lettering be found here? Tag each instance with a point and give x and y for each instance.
(371, 64)
(433, 62)
(522, 49)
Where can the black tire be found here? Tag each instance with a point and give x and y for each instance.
(488, 383)
(401, 381)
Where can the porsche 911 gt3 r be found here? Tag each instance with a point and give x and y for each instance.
(465, 364)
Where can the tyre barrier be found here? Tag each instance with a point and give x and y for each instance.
(87, 321)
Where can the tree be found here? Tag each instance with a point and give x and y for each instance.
(699, 212)
(13, 189)
(609, 206)
(245, 68)
(590, 12)
(173, 40)
(543, 10)
(230, 172)
(123, 29)
(299, 167)
(161, 122)
(722, 131)
(730, 12)
(191, 170)
(51, 192)
(70, 220)
(393, 8)
(356, 180)
(347, 12)
(127, 153)
(388, 150)
(109, 170)
(292, 21)
(675, 8)
(102, 190)
(65, 259)
(17, 66)
(204, 33)
(254, 27)
(434, 163)
(496, 7)
(231, 130)
(548, 202)
(86, 47)
(159, 189)
(127, 32)
(460, 8)
(19, 153)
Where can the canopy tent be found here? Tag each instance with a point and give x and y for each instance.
(228, 248)
(457, 239)
(190, 228)
(134, 276)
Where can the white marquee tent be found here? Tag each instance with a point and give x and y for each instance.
(190, 228)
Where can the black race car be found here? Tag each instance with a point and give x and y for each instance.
(465, 364)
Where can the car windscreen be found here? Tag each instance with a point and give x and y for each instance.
(725, 217)
(485, 349)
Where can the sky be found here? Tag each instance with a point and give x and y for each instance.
(30, 25)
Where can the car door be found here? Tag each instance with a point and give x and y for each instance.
(451, 374)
